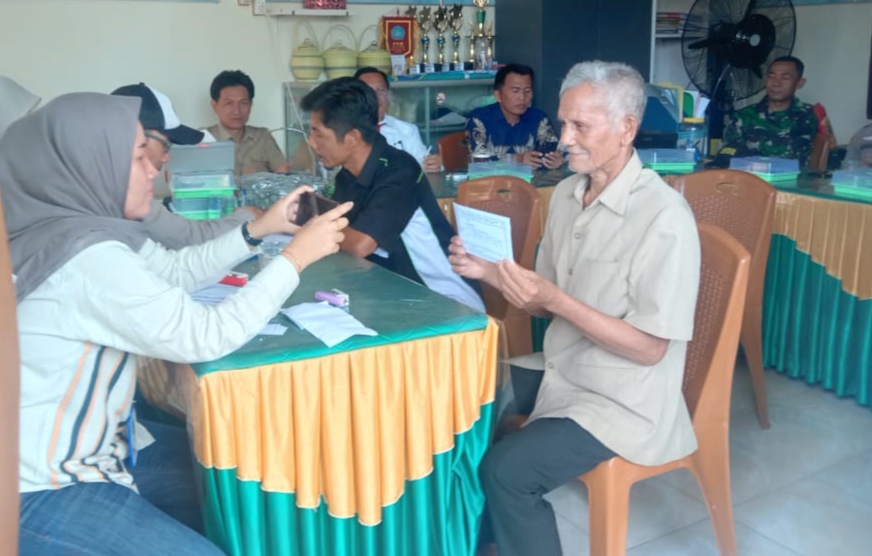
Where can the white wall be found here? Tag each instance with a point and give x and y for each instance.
(58, 46)
(833, 41)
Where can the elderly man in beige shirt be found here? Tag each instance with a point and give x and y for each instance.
(618, 271)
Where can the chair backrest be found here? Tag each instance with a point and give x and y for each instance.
(512, 197)
(9, 400)
(711, 354)
(454, 150)
(819, 158)
(738, 202)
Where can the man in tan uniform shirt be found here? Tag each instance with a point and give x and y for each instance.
(256, 151)
(618, 271)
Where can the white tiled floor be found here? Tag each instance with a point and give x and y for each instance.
(803, 487)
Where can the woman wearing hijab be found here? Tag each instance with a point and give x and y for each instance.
(15, 101)
(93, 292)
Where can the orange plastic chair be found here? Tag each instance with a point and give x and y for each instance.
(708, 377)
(9, 395)
(454, 151)
(512, 197)
(744, 206)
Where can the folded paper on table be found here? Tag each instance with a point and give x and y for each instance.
(484, 234)
(329, 324)
(216, 293)
(273, 329)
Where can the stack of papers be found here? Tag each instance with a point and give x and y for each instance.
(216, 293)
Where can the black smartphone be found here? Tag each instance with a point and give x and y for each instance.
(549, 147)
(312, 205)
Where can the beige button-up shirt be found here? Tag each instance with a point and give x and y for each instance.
(256, 152)
(633, 254)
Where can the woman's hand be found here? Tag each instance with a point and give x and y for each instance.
(320, 237)
(280, 217)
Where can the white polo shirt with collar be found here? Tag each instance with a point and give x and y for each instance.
(404, 136)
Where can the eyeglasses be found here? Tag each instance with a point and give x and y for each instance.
(166, 144)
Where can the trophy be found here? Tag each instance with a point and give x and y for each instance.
(440, 24)
(423, 19)
(480, 46)
(455, 21)
(490, 36)
(411, 11)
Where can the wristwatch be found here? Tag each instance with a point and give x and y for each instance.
(247, 237)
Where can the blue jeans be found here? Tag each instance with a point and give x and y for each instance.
(109, 519)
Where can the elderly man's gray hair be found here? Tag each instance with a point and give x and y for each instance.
(622, 87)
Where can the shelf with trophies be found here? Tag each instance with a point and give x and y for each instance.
(435, 96)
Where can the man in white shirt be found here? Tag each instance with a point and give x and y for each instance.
(399, 134)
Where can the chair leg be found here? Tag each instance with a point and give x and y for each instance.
(711, 467)
(608, 508)
(752, 341)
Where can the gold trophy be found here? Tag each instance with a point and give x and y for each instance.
(480, 47)
(423, 19)
(455, 21)
(490, 36)
(412, 11)
(440, 24)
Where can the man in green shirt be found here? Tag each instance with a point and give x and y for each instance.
(780, 125)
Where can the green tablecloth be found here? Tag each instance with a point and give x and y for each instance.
(395, 307)
(368, 448)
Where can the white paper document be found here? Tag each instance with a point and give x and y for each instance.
(272, 329)
(484, 234)
(329, 324)
(216, 293)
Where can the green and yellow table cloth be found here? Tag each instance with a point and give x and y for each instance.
(817, 314)
(369, 448)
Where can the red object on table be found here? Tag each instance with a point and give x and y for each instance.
(324, 4)
(235, 279)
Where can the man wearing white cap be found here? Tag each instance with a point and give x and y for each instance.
(162, 130)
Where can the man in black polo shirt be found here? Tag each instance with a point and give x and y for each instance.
(396, 221)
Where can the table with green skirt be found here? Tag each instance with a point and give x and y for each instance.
(817, 313)
(367, 448)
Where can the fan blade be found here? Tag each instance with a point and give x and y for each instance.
(704, 43)
(752, 5)
(757, 72)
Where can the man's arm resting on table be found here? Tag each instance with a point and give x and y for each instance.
(358, 243)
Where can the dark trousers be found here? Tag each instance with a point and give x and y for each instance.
(522, 467)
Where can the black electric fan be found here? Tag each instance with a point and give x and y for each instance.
(727, 45)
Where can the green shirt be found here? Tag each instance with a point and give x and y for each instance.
(757, 131)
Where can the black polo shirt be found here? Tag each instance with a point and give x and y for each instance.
(390, 188)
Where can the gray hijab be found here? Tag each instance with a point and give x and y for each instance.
(15, 101)
(64, 171)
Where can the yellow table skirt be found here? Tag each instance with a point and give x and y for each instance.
(351, 427)
(836, 234)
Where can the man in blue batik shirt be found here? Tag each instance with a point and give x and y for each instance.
(511, 125)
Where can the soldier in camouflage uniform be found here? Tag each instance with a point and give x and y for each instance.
(780, 125)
